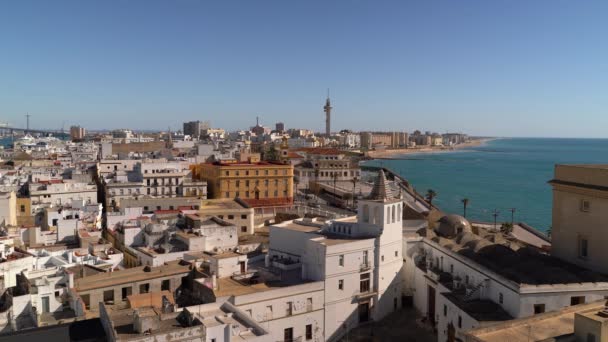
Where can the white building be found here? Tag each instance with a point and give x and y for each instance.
(322, 278)
(463, 277)
(59, 192)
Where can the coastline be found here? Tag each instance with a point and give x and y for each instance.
(395, 153)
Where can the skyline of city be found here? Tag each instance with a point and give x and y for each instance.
(455, 67)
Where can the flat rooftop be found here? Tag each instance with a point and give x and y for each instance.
(297, 225)
(130, 275)
(591, 176)
(482, 310)
(543, 327)
(222, 204)
(266, 281)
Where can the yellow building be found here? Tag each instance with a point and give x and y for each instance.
(580, 213)
(256, 183)
(24, 212)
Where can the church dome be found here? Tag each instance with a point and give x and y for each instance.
(452, 225)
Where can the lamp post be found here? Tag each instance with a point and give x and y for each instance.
(512, 215)
(354, 180)
(495, 214)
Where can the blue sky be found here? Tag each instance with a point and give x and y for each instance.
(506, 68)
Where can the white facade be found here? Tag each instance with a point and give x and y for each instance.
(483, 285)
(359, 259)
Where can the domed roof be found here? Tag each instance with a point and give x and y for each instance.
(452, 225)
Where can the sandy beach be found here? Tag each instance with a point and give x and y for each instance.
(395, 153)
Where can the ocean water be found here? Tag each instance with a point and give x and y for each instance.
(5, 141)
(501, 174)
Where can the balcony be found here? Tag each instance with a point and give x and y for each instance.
(434, 273)
(365, 266)
(286, 264)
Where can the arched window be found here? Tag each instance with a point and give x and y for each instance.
(388, 214)
(399, 214)
(377, 219)
(393, 214)
(366, 213)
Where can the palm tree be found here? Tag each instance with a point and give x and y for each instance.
(430, 195)
(465, 203)
(334, 176)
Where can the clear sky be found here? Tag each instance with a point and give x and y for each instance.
(504, 67)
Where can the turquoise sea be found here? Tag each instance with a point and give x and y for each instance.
(502, 174)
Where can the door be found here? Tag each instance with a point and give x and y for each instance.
(45, 304)
(451, 333)
(242, 263)
(363, 312)
(257, 194)
(288, 335)
(431, 305)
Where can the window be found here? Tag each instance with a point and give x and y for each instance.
(108, 297)
(308, 332)
(243, 217)
(500, 298)
(227, 194)
(227, 173)
(396, 253)
(289, 309)
(341, 260)
(165, 285)
(221, 217)
(288, 334)
(341, 284)
(243, 229)
(365, 213)
(22, 208)
(231, 217)
(459, 322)
(445, 310)
(249, 312)
(309, 304)
(539, 308)
(144, 288)
(364, 283)
(585, 206)
(583, 247)
(382, 258)
(86, 299)
(247, 183)
(590, 337)
(451, 268)
(126, 291)
(576, 300)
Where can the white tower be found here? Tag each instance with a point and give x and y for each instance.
(381, 215)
